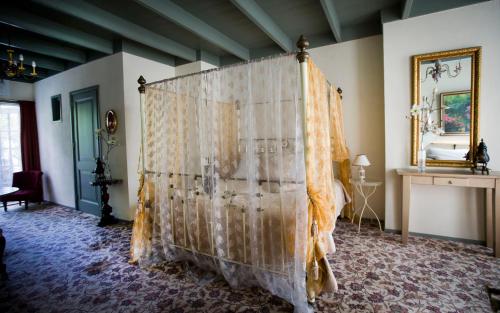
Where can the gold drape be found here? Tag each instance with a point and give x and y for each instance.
(319, 179)
(143, 222)
(142, 230)
(340, 152)
(325, 145)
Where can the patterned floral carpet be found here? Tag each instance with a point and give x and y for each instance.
(59, 261)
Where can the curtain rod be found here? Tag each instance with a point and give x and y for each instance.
(339, 90)
(223, 67)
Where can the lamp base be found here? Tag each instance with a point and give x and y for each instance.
(362, 174)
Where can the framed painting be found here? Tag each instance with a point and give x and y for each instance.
(455, 112)
(56, 108)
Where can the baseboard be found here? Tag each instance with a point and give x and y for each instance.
(462, 240)
(58, 204)
(68, 207)
(364, 221)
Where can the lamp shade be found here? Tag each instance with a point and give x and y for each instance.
(361, 160)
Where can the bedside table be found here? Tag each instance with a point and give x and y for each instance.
(359, 186)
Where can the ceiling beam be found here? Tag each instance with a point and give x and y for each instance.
(260, 18)
(50, 48)
(390, 14)
(126, 29)
(208, 57)
(333, 19)
(41, 61)
(143, 51)
(183, 18)
(407, 8)
(45, 27)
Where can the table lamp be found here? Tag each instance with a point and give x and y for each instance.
(361, 160)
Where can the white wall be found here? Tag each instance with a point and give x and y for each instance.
(133, 67)
(116, 76)
(193, 67)
(12, 90)
(56, 153)
(356, 66)
(446, 211)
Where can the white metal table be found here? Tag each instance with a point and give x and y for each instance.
(359, 185)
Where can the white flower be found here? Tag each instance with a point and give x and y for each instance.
(415, 110)
(426, 105)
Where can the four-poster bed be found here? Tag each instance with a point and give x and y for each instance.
(237, 171)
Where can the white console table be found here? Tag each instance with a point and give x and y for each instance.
(459, 178)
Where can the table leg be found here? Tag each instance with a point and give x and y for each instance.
(489, 217)
(370, 208)
(354, 210)
(496, 215)
(405, 213)
(364, 206)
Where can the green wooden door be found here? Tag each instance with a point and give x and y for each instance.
(85, 120)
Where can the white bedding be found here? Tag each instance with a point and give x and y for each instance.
(446, 154)
(341, 197)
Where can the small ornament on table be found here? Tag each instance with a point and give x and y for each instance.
(481, 157)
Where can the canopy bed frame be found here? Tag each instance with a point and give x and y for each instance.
(237, 174)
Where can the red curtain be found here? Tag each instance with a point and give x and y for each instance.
(30, 153)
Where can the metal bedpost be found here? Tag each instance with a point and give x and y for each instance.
(302, 57)
(142, 99)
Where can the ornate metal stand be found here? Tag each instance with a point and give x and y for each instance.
(106, 217)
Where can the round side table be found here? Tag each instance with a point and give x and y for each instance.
(6, 191)
(359, 186)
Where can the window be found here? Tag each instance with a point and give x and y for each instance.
(10, 142)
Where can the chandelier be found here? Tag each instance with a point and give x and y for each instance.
(439, 68)
(13, 69)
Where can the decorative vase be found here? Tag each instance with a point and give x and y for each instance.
(421, 157)
(107, 171)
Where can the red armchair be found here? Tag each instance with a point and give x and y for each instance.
(30, 188)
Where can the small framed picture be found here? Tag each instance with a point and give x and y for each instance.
(56, 108)
(455, 112)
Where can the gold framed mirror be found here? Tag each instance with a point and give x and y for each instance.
(111, 121)
(446, 96)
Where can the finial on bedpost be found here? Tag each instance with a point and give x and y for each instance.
(302, 44)
(142, 82)
(339, 90)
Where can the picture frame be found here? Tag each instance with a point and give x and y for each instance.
(111, 121)
(456, 113)
(56, 108)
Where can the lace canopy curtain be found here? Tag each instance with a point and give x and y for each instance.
(223, 179)
(225, 176)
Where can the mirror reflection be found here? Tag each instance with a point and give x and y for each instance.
(445, 108)
(445, 86)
